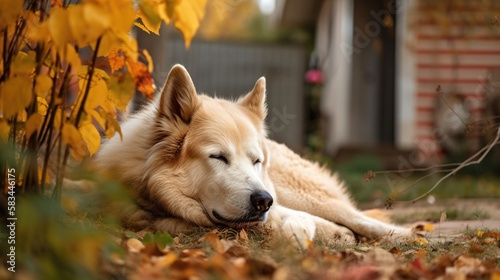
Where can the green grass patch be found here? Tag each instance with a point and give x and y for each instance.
(408, 186)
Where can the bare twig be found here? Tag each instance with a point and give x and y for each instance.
(470, 161)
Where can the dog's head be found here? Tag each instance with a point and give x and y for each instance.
(213, 151)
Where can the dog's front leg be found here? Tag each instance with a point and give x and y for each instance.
(173, 225)
(300, 228)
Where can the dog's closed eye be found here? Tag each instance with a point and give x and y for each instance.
(257, 161)
(220, 157)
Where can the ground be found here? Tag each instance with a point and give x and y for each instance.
(451, 249)
(466, 215)
(52, 244)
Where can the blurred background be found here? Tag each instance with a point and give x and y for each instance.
(358, 85)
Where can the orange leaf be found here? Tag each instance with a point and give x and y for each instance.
(213, 241)
(142, 77)
(495, 235)
(116, 60)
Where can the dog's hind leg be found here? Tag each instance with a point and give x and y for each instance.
(346, 214)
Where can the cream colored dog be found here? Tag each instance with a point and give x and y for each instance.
(192, 160)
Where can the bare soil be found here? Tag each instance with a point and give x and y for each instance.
(470, 215)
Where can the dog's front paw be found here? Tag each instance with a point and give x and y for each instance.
(298, 230)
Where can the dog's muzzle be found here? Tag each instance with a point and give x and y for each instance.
(261, 202)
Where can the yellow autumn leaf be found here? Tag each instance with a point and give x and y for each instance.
(121, 90)
(122, 14)
(129, 45)
(16, 93)
(152, 13)
(97, 94)
(9, 11)
(70, 55)
(1, 64)
(43, 85)
(429, 227)
(112, 126)
(309, 243)
(140, 25)
(149, 60)
(98, 90)
(422, 241)
(59, 27)
(96, 116)
(36, 31)
(22, 116)
(122, 41)
(187, 16)
(109, 42)
(23, 64)
(4, 130)
(72, 137)
(42, 105)
(33, 124)
(58, 118)
(169, 259)
(91, 136)
(97, 18)
(81, 33)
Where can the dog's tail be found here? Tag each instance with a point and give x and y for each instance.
(378, 214)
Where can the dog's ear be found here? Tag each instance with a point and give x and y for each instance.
(255, 101)
(178, 99)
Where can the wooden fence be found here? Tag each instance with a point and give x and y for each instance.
(230, 69)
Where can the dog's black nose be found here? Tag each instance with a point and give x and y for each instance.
(261, 201)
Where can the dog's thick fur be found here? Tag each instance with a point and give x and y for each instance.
(192, 160)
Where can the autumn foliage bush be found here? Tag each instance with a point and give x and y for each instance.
(66, 71)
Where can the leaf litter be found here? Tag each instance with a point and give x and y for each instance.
(255, 254)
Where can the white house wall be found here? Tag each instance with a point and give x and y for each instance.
(334, 36)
